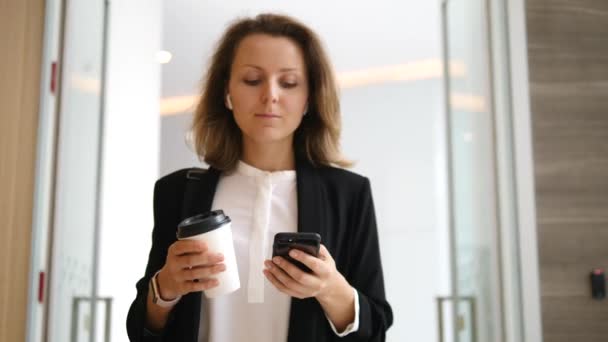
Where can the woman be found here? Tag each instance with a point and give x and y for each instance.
(268, 124)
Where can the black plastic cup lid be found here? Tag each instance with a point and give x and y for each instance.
(202, 223)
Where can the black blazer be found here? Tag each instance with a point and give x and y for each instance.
(333, 202)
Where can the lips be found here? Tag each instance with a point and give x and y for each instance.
(268, 116)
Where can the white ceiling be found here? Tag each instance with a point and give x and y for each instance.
(357, 34)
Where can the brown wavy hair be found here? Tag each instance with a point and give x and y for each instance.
(217, 138)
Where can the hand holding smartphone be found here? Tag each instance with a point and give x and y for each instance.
(305, 242)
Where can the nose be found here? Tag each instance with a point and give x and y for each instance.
(270, 93)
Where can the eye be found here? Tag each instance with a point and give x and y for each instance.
(252, 82)
(289, 84)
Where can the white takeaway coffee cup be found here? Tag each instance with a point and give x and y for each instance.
(214, 229)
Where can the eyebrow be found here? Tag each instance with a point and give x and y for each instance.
(260, 68)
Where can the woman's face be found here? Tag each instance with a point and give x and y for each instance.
(268, 88)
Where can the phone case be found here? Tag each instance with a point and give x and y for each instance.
(306, 242)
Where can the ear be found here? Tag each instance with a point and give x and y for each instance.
(228, 102)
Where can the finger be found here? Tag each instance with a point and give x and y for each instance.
(276, 283)
(199, 259)
(206, 284)
(317, 265)
(300, 284)
(182, 247)
(202, 272)
(324, 253)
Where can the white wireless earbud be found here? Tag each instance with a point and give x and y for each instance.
(228, 102)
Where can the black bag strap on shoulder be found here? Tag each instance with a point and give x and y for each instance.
(193, 177)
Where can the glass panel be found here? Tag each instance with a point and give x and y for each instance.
(75, 213)
(474, 205)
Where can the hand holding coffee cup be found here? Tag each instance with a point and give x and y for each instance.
(214, 230)
(189, 267)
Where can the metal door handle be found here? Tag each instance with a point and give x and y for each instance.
(472, 304)
(76, 311)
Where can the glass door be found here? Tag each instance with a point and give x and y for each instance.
(484, 303)
(72, 269)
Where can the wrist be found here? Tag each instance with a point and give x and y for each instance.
(164, 290)
(339, 291)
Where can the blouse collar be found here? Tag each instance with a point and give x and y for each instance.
(275, 176)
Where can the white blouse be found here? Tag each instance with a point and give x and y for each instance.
(260, 204)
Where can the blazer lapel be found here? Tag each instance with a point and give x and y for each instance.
(200, 190)
(198, 198)
(302, 321)
(310, 208)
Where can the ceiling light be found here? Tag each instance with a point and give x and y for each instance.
(413, 71)
(163, 57)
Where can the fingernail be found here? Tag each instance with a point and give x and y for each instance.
(220, 256)
(268, 264)
(276, 260)
(294, 253)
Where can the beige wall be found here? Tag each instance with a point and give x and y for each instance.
(21, 26)
(568, 60)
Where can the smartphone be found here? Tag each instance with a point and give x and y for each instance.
(305, 242)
